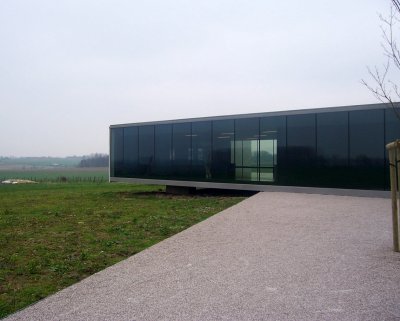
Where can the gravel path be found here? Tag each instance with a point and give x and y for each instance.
(275, 256)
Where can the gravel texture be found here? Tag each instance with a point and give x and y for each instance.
(275, 256)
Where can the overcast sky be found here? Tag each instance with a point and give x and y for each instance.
(69, 68)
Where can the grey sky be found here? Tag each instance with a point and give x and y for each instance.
(69, 69)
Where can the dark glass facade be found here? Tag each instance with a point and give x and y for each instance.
(331, 147)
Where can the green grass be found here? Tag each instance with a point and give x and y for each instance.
(57, 174)
(53, 235)
(70, 161)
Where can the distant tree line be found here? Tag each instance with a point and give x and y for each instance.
(94, 160)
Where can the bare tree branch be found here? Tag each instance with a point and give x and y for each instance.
(386, 90)
(390, 45)
(396, 4)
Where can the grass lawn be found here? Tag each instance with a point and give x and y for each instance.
(53, 235)
(71, 174)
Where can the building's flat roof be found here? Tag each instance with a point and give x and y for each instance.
(263, 114)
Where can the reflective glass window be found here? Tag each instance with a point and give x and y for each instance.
(272, 148)
(201, 150)
(146, 150)
(333, 139)
(163, 150)
(366, 137)
(301, 135)
(223, 139)
(181, 149)
(117, 152)
(246, 149)
(131, 143)
(392, 122)
(301, 149)
(367, 148)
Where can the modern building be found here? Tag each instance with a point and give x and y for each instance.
(337, 147)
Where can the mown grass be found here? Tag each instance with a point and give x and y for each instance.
(73, 174)
(53, 235)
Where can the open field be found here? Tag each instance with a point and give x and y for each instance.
(71, 161)
(74, 174)
(55, 234)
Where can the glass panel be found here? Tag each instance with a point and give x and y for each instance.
(332, 149)
(222, 167)
(392, 125)
(246, 140)
(181, 152)
(130, 151)
(238, 149)
(272, 148)
(163, 150)
(333, 139)
(268, 150)
(391, 134)
(367, 148)
(117, 152)
(201, 150)
(266, 174)
(250, 174)
(301, 136)
(301, 149)
(146, 150)
(366, 137)
(239, 173)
